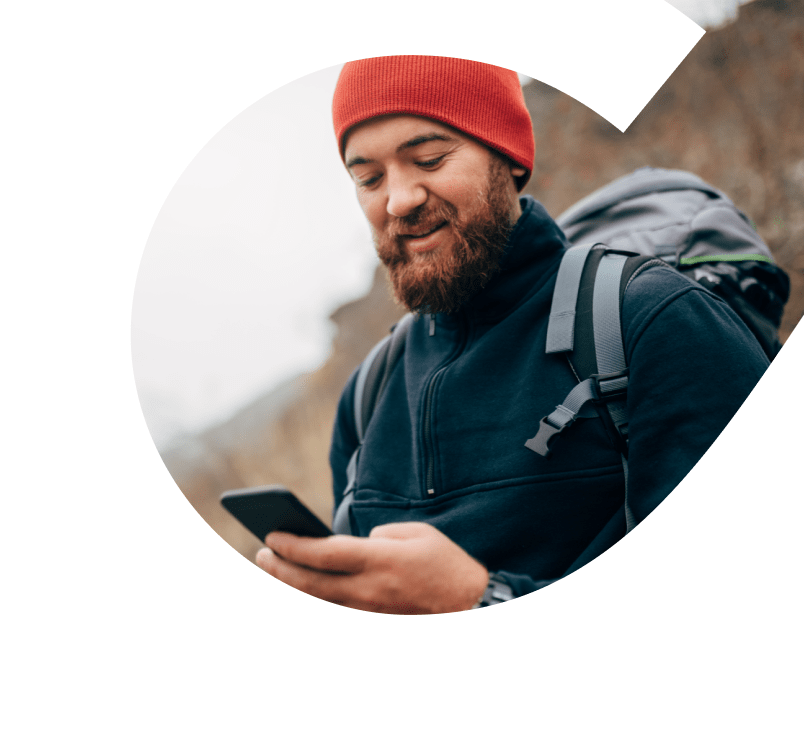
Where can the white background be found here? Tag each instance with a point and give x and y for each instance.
(169, 579)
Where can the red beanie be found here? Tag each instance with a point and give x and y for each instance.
(481, 100)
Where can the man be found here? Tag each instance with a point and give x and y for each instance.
(438, 150)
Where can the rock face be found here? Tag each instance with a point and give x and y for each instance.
(733, 112)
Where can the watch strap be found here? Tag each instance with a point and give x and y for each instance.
(497, 591)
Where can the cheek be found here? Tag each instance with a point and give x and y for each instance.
(373, 209)
(461, 196)
(463, 190)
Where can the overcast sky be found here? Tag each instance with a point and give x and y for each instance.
(258, 242)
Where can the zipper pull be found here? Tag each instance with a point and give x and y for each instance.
(432, 324)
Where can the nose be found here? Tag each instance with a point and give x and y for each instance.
(405, 194)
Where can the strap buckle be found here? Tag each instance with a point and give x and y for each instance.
(543, 441)
(598, 388)
(609, 386)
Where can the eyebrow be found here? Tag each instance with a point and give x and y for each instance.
(412, 143)
(425, 138)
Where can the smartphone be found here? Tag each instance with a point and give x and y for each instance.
(272, 508)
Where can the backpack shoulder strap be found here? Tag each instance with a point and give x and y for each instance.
(561, 326)
(375, 371)
(585, 324)
(372, 378)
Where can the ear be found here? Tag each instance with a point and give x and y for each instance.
(517, 174)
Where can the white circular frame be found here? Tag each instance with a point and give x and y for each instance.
(156, 566)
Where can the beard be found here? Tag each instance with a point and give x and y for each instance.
(444, 280)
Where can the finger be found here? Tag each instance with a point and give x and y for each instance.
(340, 589)
(405, 530)
(265, 560)
(344, 554)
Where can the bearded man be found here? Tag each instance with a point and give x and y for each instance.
(449, 511)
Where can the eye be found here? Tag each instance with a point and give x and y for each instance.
(368, 182)
(431, 163)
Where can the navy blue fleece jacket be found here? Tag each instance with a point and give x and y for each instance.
(446, 442)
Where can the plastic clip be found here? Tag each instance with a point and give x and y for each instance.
(542, 442)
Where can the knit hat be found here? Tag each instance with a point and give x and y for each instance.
(483, 101)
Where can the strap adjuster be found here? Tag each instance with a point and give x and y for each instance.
(598, 388)
(609, 386)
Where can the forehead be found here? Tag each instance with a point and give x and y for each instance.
(387, 133)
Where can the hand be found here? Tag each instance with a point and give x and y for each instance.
(401, 568)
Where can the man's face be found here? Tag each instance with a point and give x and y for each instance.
(440, 206)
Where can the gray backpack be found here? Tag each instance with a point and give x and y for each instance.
(652, 216)
(678, 217)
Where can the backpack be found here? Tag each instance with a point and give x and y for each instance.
(647, 218)
(678, 217)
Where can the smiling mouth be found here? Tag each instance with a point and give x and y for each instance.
(426, 233)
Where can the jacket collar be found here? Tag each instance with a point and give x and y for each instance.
(531, 258)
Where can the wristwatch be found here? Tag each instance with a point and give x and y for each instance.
(497, 591)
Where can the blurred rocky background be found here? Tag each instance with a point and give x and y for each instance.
(733, 112)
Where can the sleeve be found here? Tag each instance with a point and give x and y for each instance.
(692, 363)
(344, 440)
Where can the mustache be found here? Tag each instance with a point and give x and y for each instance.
(445, 281)
(423, 216)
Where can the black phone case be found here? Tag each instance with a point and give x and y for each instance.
(272, 508)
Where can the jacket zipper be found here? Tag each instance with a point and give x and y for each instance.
(428, 437)
(429, 447)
